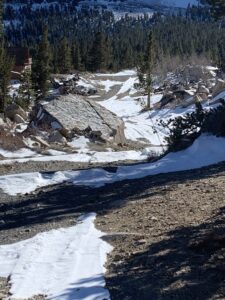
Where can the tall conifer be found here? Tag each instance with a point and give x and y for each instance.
(146, 68)
(41, 68)
(6, 64)
(64, 56)
(97, 54)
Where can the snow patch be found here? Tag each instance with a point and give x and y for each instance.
(63, 264)
(128, 85)
(108, 84)
(122, 73)
(24, 152)
(206, 150)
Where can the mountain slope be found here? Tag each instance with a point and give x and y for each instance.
(120, 5)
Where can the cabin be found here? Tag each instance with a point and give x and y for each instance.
(22, 60)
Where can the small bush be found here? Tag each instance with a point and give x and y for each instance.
(185, 129)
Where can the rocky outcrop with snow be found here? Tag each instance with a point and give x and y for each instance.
(73, 115)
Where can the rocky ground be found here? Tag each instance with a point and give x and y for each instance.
(167, 231)
(54, 166)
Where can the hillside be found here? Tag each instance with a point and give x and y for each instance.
(112, 160)
(118, 7)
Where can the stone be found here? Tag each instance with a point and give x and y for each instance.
(166, 99)
(18, 119)
(57, 137)
(3, 296)
(13, 109)
(141, 242)
(219, 87)
(203, 89)
(68, 84)
(84, 90)
(79, 116)
(41, 141)
(183, 95)
(2, 121)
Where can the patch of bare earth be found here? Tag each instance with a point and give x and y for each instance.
(167, 230)
(10, 141)
(169, 242)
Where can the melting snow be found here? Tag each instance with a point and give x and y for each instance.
(24, 152)
(84, 156)
(63, 264)
(206, 150)
(127, 85)
(122, 73)
(108, 84)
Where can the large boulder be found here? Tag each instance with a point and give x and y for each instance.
(203, 92)
(56, 137)
(172, 99)
(219, 87)
(18, 119)
(84, 90)
(202, 89)
(2, 122)
(12, 110)
(77, 116)
(166, 99)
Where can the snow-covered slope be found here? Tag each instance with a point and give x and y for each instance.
(170, 3)
(128, 6)
(140, 6)
(206, 150)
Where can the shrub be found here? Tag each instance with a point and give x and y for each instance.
(183, 130)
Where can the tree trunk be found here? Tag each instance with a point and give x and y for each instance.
(149, 99)
(2, 104)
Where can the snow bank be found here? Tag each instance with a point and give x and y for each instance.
(206, 150)
(128, 85)
(122, 73)
(141, 126)
(84, 156)
(24, 152)
(64, 264)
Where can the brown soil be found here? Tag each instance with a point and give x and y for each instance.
(167, 230)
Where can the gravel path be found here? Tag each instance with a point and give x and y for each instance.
(167, 230)
(54, 166)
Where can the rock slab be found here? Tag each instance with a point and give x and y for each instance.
(80, 116)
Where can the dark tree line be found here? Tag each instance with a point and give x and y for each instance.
(91, 39)
(6, 64)
(63, 38)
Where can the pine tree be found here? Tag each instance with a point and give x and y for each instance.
(64, 56)
(146, 68)
(25, 91)
(1, 25)
(97, 54)
(41, 68)
(217, 7)
(6, 64)
(76, 58)
(108, 54)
